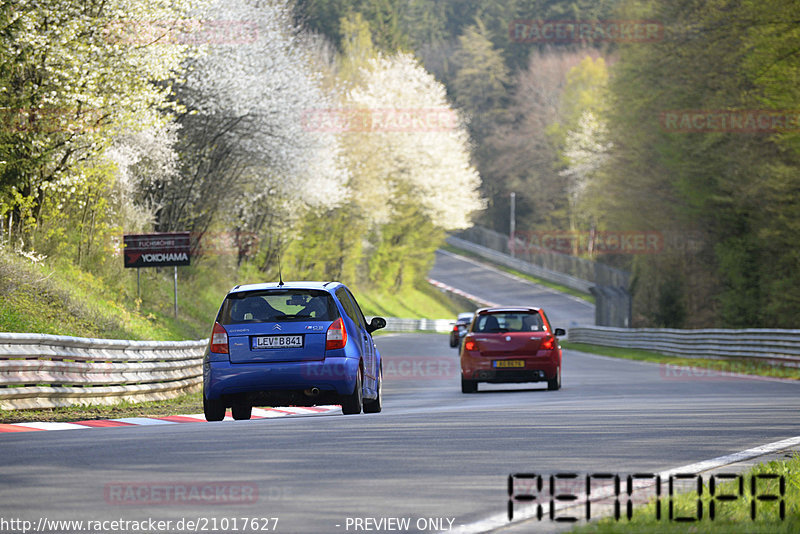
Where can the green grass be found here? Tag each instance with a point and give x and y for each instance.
(56, 297)
(731, 517)
(412, 302)
(743, 366)
(525, 276)
(191, 403)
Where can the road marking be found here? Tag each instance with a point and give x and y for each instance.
(501, 520)
(258, 413)
(442, 285)
(515, 277)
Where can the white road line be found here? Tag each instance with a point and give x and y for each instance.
(45, 425)
(515, 277)
(143, 421)
(501, 520)
(457, 291)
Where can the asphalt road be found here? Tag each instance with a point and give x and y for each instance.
(494, 285)
(432, 453)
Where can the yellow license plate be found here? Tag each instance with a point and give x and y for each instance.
(509, 363)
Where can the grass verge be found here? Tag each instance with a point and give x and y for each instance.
(190, 403)
(57, 297)
(525, 276)
(731, 516)
(412, 302)
(708, 367)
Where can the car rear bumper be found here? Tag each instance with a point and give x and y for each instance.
(332, 376)
(543, 366)
(508, 376)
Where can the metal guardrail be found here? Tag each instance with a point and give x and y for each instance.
(777, 346)
(523, 266)
(580, 268)
(393, 324)
(46, 371)
(609, 285)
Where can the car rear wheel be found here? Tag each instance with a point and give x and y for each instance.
(351, 404)
(214, 410)
(375, 406)
(555, 383)
(241, 412)
(468, 386)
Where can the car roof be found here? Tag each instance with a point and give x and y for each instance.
(501, 309)
(324, 286)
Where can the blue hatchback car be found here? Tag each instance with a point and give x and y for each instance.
(294, 343)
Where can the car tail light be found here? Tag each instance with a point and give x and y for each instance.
(219, 340)
(455, 328)
(336, 338)
(548, 343)
(469, 345)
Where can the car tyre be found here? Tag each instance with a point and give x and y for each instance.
(375, 406)
(214, 410)
(241, 412)
(555, 383)
(453, 339)
(352, 403)
(468, 386)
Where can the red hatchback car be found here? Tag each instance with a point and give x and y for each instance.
(510, 345)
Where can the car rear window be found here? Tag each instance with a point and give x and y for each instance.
(509, 322)
(278, 305)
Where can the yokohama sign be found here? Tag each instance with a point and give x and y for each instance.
(157, 250)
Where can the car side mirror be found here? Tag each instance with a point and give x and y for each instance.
(560, 332)
(376, 324)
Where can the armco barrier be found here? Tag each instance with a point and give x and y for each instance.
(46, 371)
(394, 324)
(777, 346)
(521, 265)
(608, 284)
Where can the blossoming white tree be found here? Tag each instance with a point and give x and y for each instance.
(245, 152)
(586, 151)
(414, 145)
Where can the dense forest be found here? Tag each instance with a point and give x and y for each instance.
(223, 119)
(693, 133)
(246, 119)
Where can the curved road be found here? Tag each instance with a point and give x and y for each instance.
(433, 452)
(494, 285)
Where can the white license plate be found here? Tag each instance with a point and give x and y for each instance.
(278, 342)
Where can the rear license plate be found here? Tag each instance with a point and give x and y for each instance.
(278, 342)
(509, 363)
